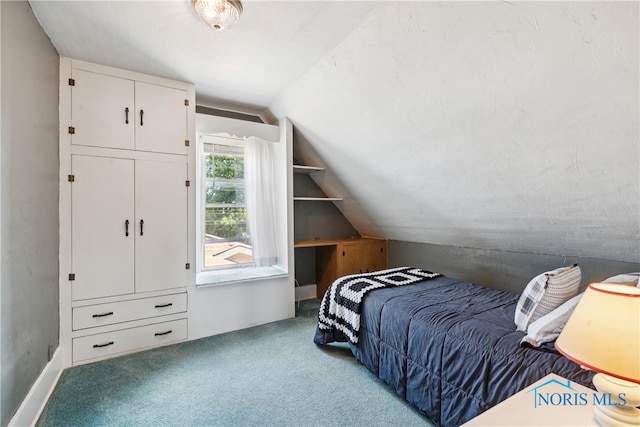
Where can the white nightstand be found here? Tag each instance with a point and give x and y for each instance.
(551, 401)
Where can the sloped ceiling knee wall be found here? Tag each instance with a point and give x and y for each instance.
(482, 124)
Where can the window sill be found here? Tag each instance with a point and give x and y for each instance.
(235, 275)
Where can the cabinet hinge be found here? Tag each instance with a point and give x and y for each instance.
(186, 143)
(187, 183)
(72, 130)
(71, 178)
(186, 102)
(187, 266)
(72, 276)
(72, 82)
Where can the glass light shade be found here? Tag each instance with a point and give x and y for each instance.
(603, 333)
(218, 14)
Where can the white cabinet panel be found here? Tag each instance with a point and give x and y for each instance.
(161, 119)
(101, 204)
(126, 340)
(103, 123)
(92, 316)
(130, 114)
(161, 225)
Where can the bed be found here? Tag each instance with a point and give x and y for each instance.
(448, 347)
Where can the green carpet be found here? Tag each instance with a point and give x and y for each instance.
(269, 375)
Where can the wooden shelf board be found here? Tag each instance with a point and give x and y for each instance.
(327, 242)
(319, 199)
(306, 169)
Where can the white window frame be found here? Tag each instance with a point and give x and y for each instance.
(239, 129)
(201, 203)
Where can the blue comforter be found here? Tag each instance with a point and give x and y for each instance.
(451, 348)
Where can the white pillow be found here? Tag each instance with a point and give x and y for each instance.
(546, 292)
(548, 327)
(625, 279)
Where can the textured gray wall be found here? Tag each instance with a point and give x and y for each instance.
(506, 270)
(498, 125)
(29, 203)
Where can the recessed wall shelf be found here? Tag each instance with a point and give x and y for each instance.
(306, 169)
(334, 257)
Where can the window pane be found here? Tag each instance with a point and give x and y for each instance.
(220, 192)
(226, 223)
(226, 238)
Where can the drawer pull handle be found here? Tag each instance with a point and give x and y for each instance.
(104, 314)
(169, 304)
(126, 115)
(141, 117)
(157, 334)
(103, 345)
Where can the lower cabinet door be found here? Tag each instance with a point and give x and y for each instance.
(162, 235)
(102, 238)
(351, 259)
(100, 346)
(377, 255)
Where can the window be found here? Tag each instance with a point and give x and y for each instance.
(241, 204)
(224, 234)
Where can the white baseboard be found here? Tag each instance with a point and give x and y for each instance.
(29, 411)
(306, 292)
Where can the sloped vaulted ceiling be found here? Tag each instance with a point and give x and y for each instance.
(497, 125)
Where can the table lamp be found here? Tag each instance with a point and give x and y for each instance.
(603, 334)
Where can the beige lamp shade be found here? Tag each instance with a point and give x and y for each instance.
(603, 333)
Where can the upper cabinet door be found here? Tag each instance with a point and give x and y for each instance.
(161, 119)
(108, 123)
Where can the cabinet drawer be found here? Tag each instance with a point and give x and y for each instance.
(126, 340)
(123, 311)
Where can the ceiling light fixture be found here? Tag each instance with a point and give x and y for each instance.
(218, 14)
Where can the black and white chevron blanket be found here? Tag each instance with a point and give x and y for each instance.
(339, 315)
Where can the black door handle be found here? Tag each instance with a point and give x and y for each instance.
(103, 314)
(103, 345)
(164, 305)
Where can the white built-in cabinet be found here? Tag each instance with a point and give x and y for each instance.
(132, 115)
(126, 216)
(129, 217)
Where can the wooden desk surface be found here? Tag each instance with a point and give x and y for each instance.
(329, 242)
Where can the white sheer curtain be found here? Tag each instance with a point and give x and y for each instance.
(260, 199)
